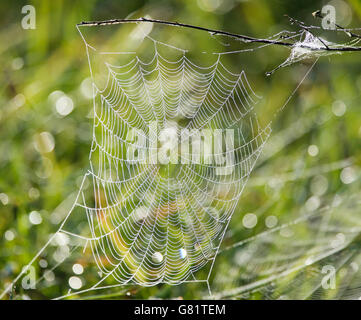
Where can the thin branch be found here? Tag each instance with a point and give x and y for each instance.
(177, 24)
(244, 38)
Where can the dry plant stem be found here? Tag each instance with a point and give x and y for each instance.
(244, 38)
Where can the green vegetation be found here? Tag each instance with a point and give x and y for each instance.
(304, 190)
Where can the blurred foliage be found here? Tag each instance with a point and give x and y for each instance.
(312, 158)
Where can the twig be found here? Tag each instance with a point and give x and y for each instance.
(177, 24)
(244, 38)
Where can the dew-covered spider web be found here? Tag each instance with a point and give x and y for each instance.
(176, 135)
(151, 222)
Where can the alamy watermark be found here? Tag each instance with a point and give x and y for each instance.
(29, 20)
(328, 17)
(29, 279)
(186, 146)
(329, 280)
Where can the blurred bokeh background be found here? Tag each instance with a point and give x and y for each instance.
(300, 209)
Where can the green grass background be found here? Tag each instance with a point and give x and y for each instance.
(35, 63)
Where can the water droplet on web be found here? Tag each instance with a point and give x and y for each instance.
(43, 263)
(75, 283)
(157, 257)
(182, 253)
(78, 268)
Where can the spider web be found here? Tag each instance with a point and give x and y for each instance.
(149, 223)
(147, 227)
